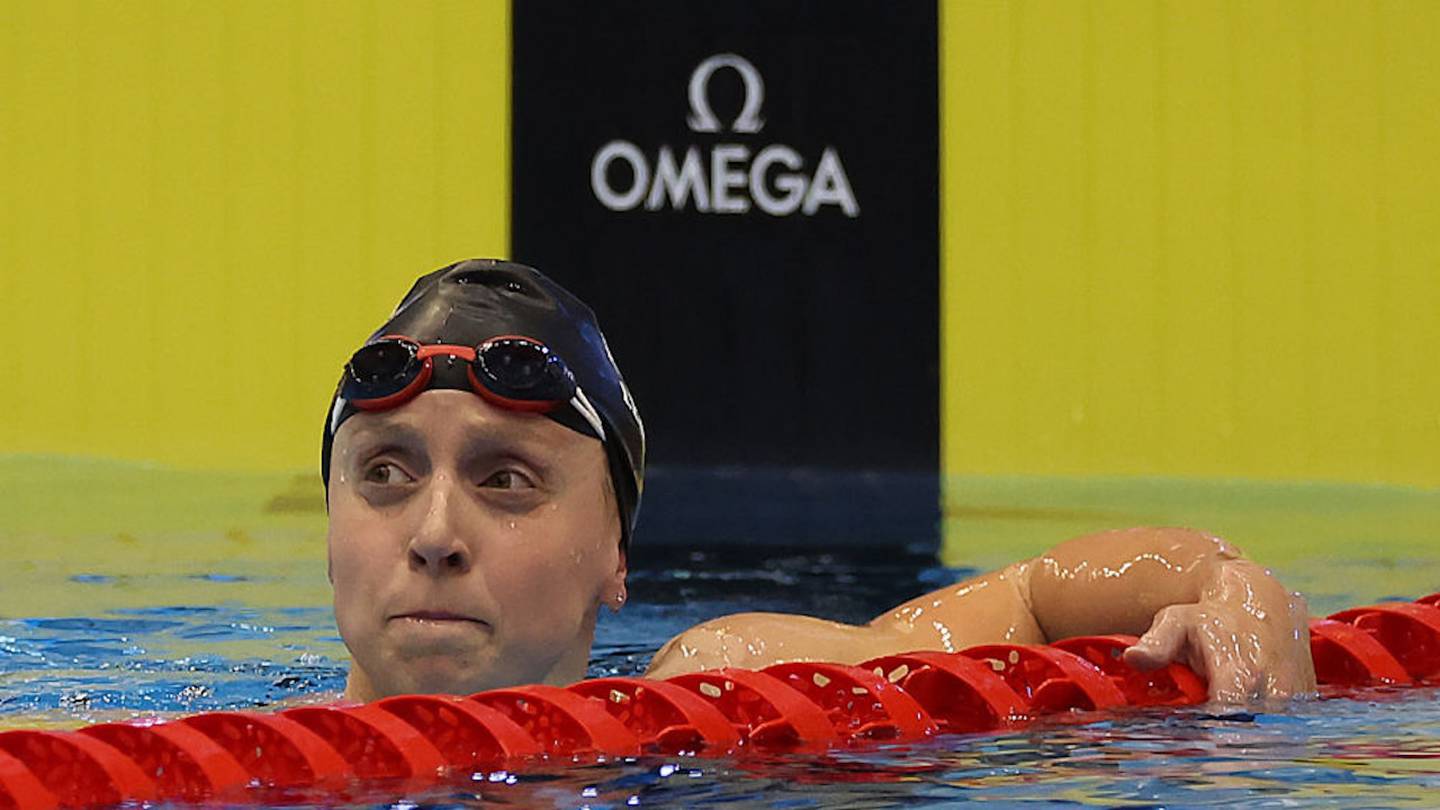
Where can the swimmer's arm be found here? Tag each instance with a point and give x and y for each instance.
(1118, 581)
(1190, 596)
(755, 640)
(991, 605)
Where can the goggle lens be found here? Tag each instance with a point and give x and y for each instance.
(382, 368)
(523, 369)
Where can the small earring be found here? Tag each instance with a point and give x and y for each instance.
(617, 601)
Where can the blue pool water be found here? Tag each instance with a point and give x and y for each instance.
(118, 662)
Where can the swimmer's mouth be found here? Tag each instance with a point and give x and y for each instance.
(436, 616)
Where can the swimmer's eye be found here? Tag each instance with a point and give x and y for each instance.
(507, 479)
(386, 473)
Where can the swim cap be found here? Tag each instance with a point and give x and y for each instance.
(471, 302)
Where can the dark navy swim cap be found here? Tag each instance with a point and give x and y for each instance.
(473, 301)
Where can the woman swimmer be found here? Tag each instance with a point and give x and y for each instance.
(483, 463)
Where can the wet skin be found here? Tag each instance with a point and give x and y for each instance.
(1190, 596)
(470, 547)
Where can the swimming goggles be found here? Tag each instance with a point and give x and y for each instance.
(510, 371)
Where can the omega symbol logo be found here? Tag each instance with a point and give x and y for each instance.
(701, 117)
(723, 179)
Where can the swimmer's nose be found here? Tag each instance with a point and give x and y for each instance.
(437, 547)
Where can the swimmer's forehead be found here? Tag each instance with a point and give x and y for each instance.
(464, 417)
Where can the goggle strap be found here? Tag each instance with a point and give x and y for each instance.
(582, 405)
(336, 412)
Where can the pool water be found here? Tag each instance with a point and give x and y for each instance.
(167, 613)
(113, 662)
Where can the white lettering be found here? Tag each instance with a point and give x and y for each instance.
(723, 180)
(600, 180)
(791, 183)
(677, 184)
(831, 186)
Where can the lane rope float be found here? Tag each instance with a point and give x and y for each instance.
(400, 744)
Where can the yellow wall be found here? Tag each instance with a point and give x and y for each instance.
(205, 206)
(1185, 238)
(1194, 238)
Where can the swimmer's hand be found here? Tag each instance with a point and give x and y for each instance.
(1246, 635)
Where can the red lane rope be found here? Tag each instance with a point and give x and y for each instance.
(401, 743)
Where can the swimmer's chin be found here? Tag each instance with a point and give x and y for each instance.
(425, 658)
(418, 675)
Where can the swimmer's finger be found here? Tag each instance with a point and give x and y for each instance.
(1304, 666)
(1165, 641)
(1226, 691)
(1233, 683)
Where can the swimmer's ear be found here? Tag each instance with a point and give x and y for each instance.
(614, 588)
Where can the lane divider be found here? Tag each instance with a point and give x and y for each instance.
(397, 745)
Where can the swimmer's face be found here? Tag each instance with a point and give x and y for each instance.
(470, 547)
